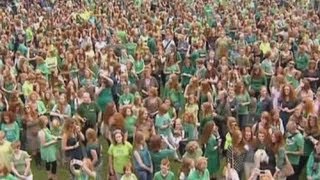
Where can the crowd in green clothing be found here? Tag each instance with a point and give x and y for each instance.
(189, 81)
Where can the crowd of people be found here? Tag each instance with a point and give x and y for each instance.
(222, 89)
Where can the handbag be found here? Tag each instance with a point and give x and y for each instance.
(287, 169)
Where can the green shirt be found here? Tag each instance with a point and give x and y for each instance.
(160, 121)
(121, 154)
(158, 176)
(122, 35)
(302, 61)
(158, 156)
(129, 125)
(138, 66)
(20, 163)
(266, 66)
(12, 131)
(89, 111)
(41, 108)
(195, 174)
(126, 99)
(294, 143)
(243, 98)
(257, 83)
(152, 44)
(131, 48)
(23, 49)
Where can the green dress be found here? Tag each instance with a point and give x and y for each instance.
(204, 120)
(48, 153)
(212, 153)
(104, 98)
(187, 70)
(129, 125)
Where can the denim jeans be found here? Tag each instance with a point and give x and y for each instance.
(144, 175)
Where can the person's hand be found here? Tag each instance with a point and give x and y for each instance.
(78, 129)
(309, 178)
(214, 114)
(76, 145)
(268, 172)
(287, 152)
(285, 109)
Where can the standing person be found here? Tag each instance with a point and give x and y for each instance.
(21, 162)
(93, 151)
(200, 172)
(90, 112)
(249, 142)
(163, 123)
(5, 150)
(104, 92)
(264, 101)
(257, 80)
(313, 168)
(294, 148)
(10, 127)
(158, 153)
(48, 148)
(287, 103)
(32, 127)
(142, 158)
(120, 153)
(210, 141)
(71, 139)
(278, 148)
(236, 153)
(187, 166)
(243, 100)
(164, 173)
(128, 173)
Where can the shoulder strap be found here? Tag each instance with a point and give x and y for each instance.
(167, 45)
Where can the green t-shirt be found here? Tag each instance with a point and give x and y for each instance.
(131, 48)
(302, 61)
(138, 66)
(267, 66)
(20, 163)
(162, 120)
(158, 156)
(294, 143)
(129, 125)
(152, 44)
(29, 34)
(89, 111)
(159, 176)
(122, 35)
(12, 131)
(257, 83)
(126, 99)
(195, 174)
(27, 88)
(121, 154)
(243, 98)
